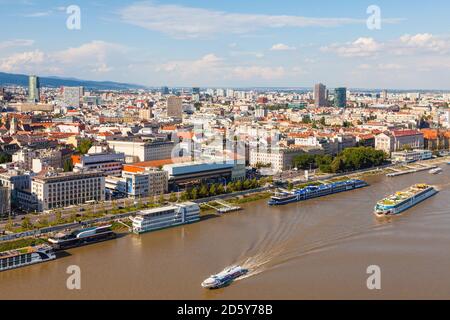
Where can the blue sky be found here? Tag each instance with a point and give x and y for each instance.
(231, 43)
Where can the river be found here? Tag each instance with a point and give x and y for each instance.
(318, 249)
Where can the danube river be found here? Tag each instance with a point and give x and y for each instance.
(319, 249)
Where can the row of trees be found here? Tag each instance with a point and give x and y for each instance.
(215, 189)
(348, 160)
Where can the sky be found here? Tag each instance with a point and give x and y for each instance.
(373, 44)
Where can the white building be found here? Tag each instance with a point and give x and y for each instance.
(109, 163)
(143, 150)
(57, 190)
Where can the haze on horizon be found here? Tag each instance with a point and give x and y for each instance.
(187, 43)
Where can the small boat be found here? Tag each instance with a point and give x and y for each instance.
(435, 170)
(224, 278)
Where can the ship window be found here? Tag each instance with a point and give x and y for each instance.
(10, 262)
(28, 257)
(22, 259)
(16, 259)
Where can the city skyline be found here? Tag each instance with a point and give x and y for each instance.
(232, 44)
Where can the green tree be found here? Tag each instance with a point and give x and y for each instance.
(220, 189)
(247, 184)
(184, 196)
(238, 185)
(161, 200)
(26, 223)
(68, 165)
(212, 190)
(203, 192)
(194, 194)
(4, 157)
(84, 146)
(290, 186)
(173, 197)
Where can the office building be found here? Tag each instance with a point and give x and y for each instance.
(140, 150)
(72, 96)
(33, 89)
(340, 97)
(320, 99)
(57, 190)
(5, 203)
(108, 163)
(174, 107)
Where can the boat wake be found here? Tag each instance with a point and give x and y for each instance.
(302, 235)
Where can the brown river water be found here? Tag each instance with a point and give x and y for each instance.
(318, 249)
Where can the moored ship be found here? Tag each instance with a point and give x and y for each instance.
(81, 237)
(309, 192)
(25, 256)
(403, 200)
(165, 217)
(224, 278)
(435, 170)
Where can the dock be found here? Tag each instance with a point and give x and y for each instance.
(410, 169)
(224, 207)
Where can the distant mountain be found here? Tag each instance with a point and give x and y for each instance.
(22, 80)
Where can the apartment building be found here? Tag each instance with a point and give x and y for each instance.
(108, 163)
(397, 140)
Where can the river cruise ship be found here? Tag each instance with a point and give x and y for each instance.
(81, 237)
(309, 192)
(25, 256)
(224, 278)
(403, 200)
(164, 217)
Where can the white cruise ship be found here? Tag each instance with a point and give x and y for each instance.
(25, 256)
(165, 217)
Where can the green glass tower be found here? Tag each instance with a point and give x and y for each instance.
(340, 97)
(33, 89)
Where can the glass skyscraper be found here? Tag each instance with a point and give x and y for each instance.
(33, 89)
(340, 97)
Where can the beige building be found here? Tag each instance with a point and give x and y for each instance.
(143, 150)
(397, 140)
(174, 107)
(145, 114)
(279, 159)
(58, 190)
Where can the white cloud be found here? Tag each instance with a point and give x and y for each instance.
(361, 47)
(189, 22)
(38, 14)
(19, 60)
(16, 43)
(281, 47)
(252, 72)
(91, 57)
(426, 42)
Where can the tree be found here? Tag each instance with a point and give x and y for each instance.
(322, 121)
(184, 196)
(84, 146)
(162, 200)
(194, 194)
(4, 157)
(212, 190)
(26, 223)
(304, 161)
(337, 165)
(68, 165)
(290, 186)
(203, 192)
(173, 197)
(247, 184)
(238, 185)
(220, 189)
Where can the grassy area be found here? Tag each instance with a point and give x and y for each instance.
(16, 244)
(250, 198)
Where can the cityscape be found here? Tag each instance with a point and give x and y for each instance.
(226, 177)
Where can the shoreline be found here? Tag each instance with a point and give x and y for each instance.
(243, 197)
